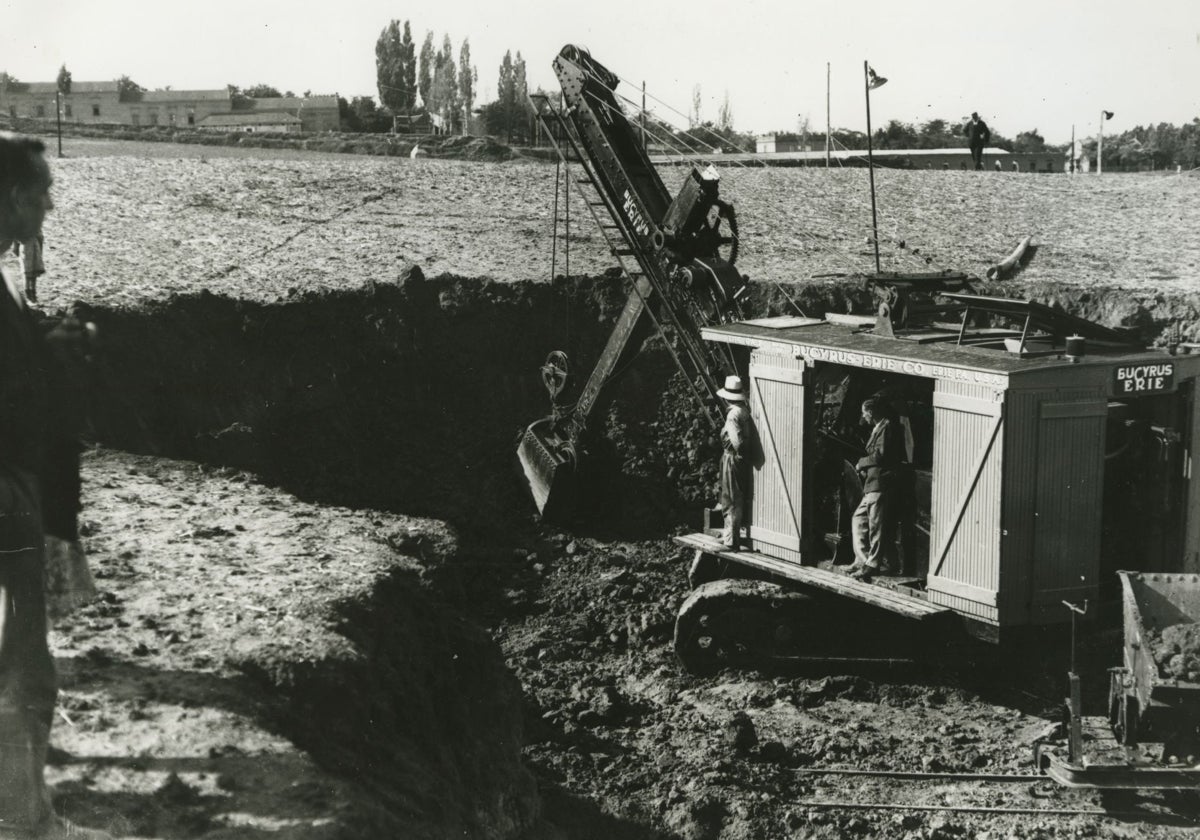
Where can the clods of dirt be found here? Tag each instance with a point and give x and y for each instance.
(1177, 651)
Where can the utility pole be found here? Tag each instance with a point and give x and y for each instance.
(58, 117)
(643, 113)
(1104, 115)
(870, 80)
(827, 140)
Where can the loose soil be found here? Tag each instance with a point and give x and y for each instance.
(327, 609)
(1177, 652)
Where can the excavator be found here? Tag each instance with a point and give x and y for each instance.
(669, 250)
(1048, 457)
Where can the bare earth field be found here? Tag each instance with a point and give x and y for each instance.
(133, 229)
(223, 685)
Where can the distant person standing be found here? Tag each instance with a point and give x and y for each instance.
(31, 249)
(978, 135)
(34, 267)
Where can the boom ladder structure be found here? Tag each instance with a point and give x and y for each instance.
(594, 132)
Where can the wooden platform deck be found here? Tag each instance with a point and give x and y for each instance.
(910, 606)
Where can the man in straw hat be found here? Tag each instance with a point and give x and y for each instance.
(27, 351)
(735, 437)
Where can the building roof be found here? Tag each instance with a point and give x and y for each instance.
(186, 95)
(943, 358)
(258, 118)
(76, 87)
(293, 103)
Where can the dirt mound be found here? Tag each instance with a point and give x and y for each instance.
(1177, 651)
(468, 148)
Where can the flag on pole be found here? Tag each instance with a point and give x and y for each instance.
(1108, 115)
(875, 80)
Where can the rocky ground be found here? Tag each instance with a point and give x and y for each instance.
(265, 658)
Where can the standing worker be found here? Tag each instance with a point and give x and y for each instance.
(27, 681)
(735, 441)
(34, 268)
(978, 135)
(873, 524)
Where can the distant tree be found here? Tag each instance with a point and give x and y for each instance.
(7, 80)
(367, 116)
(803, 124)
(467, 76)
(694, 116)
(347, 119)
(1029, 142)
(238, 101)
(444, 88)
(725, 115)
(393, 57)
(522, 111)
(64, 80)
(425, 68)
(500, 118)
(937, 134)
(408, 61)
(128, 90)
(262, 91)
(895, 135)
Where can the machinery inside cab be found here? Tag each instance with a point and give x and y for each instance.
(1044, 452)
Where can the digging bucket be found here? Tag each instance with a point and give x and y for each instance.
(549, 465)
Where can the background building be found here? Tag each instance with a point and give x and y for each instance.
(100, 103)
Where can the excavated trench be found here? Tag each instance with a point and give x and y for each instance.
(409, 398)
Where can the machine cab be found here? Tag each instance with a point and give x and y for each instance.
(1044, 452)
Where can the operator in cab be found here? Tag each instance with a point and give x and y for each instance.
(874, 521)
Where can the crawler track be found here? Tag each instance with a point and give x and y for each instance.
(996, 794)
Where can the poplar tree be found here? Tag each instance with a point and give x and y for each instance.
(408, 67)
(506, 94)
(725, 115)
(467, 77)
(389, 75)
(425, 69)
(444, 89)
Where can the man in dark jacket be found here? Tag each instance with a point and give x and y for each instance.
(27, 681)
(978, 135)
(874, 522)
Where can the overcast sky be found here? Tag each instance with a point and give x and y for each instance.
(1023, 64)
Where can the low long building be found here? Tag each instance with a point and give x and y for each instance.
(101, 103)
(993, 158)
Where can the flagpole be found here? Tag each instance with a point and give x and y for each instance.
(827, 140)
(871, 169)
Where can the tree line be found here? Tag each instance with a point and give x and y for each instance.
(432, 85)
(436, 86)
(443, 85)
(1161, 146)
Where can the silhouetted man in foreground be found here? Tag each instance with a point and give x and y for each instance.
(28, 352)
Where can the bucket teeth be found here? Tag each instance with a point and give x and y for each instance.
(545, 464)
